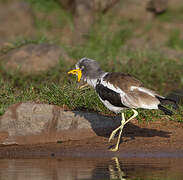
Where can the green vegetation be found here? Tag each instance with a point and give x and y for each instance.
(172, 15)
(175, 41)
(157, 71)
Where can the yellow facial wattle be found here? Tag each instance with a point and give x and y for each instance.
(78, 72)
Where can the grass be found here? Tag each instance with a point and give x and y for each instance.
(56, 87)
(50, 18)
(175, 40)
(172, 15)
(103, 44)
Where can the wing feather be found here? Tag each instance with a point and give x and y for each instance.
(122, 81)
(131, 90)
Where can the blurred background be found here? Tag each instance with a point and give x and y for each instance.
(40, 40)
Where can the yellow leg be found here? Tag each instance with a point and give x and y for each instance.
(115, 171)
(116, 130)
(134, 115)
(123, 122)
(119, 136)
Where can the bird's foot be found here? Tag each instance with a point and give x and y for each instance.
(114, 149)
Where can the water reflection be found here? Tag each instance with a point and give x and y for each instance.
(115, 170)
(91, 169)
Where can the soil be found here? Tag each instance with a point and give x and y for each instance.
(145, 139)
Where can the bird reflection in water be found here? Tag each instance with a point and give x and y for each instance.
(115, 171)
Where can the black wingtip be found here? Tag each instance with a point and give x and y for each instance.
(165, 110)
(170, 101)
(176, 95)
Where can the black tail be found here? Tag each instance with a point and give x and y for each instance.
(167, 101)
(165, 110)
(176, 95)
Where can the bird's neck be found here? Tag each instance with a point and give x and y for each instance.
(93, 82)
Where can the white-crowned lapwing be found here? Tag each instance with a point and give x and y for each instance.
(119, 91)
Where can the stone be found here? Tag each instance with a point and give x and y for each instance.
(84, 17)
(68, 4)
(84, 12)
(157, 6)
(30, 123)
(104, 5)
(175, 4)
(95, 5)
(134, 10)
(33, 58)
(16, 20)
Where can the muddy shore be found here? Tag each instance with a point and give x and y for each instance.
(146, 139)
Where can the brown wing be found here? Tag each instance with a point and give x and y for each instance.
(139, 99)
(121, 80)
(135, 95)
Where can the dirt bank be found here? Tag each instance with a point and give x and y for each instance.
(147, 138)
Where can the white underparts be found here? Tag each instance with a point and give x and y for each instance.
(108, 105)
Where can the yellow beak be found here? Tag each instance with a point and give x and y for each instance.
(78, 72)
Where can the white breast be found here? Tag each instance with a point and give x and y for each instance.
(108, 105)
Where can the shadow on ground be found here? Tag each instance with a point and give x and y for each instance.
(104, 125)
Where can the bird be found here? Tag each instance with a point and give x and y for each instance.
(119, 91)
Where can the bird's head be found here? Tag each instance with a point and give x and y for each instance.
(86, 70)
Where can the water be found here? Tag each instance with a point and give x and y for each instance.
(95, 168)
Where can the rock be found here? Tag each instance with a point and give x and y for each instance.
(104, 5)
(95, 5)
(134, 10)
(33, 58)
(29, 123)
(157, 6)
(175, 4)
(68, 4)
(84, 12)
(16, 19)
(84, 17)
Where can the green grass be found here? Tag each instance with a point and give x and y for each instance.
(49, 17)
(156, 71)
(44, 6)
(172, 15)
(104, 44)
(175, 40)
(56, 87)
